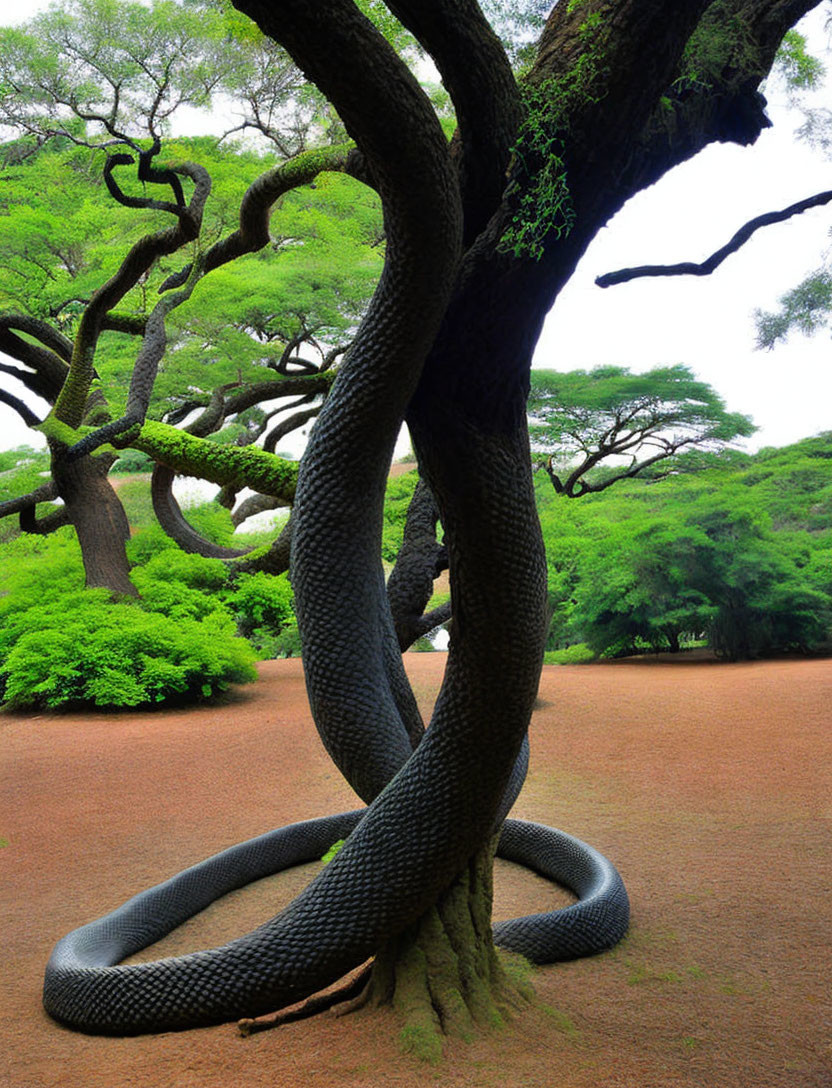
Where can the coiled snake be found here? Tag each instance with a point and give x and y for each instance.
(433, 797)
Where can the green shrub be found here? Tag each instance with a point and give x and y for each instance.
(287, 643)
(84, 650)
(579, 654)
(261, 600)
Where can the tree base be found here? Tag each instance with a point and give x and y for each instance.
(443, 976)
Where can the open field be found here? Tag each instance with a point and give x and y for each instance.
(709, 786)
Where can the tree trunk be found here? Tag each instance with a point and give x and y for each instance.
(98, 517)
(443, 975)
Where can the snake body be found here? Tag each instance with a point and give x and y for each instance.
(86, 989)
(433, 796)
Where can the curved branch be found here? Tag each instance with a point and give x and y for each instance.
(254, 504)
(706, 267)
(477, 73)
(23, 410)
(29, 523)
(170, 517)
(55, 341)
(46, 493)
(286, 426)
(69, 407)
(146, 172)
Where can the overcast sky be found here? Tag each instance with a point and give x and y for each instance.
(704, 322)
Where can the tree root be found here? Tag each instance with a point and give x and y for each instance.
(345, 994)
(443, 976)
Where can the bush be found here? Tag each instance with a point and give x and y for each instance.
(84, 650)
(579, 654)
(271, 645)
(261, 600)
(63, 645)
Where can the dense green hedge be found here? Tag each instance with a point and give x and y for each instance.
(61, 645)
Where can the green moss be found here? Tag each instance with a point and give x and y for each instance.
(247, 466)
(422, 1041)
(562, 1022)
(542, 203)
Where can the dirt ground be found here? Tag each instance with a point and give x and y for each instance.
(709, 786)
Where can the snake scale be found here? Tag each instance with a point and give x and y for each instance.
(433, 795)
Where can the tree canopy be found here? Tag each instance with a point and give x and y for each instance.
(600, 426)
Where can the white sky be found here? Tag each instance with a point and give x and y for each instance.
(703, 322)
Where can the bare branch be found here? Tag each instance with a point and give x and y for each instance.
(688, 268)
(23, 410)
(45, 493)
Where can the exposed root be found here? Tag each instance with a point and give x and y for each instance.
(443, 976)
(343, 994)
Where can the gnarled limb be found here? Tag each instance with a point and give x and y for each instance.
(29, 523)
(254, 504)
(69, 406)
(46, 493)
(420, 560)
(706, 267)
(22, 409)
(170, 517)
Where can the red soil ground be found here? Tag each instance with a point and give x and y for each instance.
(708, 785)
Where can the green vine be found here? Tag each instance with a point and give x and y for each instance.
(720, 42)
(539, 192)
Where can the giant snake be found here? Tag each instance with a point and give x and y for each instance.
(433, 795)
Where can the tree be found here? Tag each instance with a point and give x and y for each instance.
(618, 93)
(585, 420)
(133, 67)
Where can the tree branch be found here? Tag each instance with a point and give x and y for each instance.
(45, 493)
(23, 410)
(706, 267)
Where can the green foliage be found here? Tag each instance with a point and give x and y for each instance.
(605, 424)
(544, 207)
(397, 499)
(736, 553)
(805, 309)
(801, 70)
(285, 644)
(539, 190)
(179, 641)
(76, 53)
(332, 851)
(577, 654)
(84, 650)
(261, 600)
(721, 42)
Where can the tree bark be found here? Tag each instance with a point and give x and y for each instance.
(99, 519)
(443, 975)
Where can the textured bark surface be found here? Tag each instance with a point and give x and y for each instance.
(98, 518)
(447, 340)
(443, 975)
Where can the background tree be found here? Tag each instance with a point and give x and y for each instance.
(608, 424)
(729, 556)
(132, 70)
